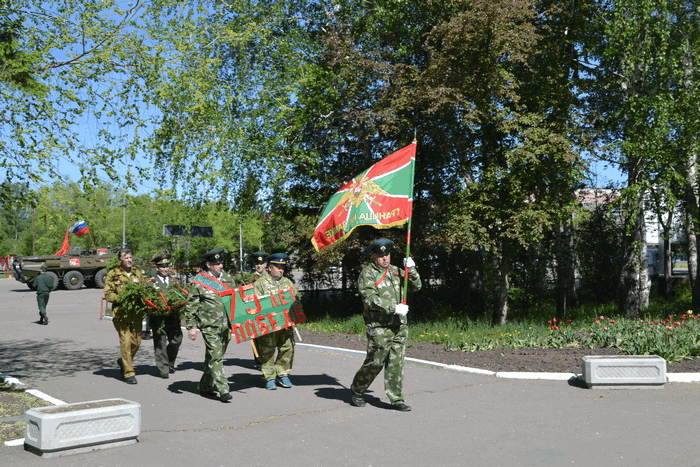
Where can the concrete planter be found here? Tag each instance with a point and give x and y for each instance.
(624, 372)
(81, 427)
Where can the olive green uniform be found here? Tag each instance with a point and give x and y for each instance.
(43, 283)
(167, 330)
(282, 341)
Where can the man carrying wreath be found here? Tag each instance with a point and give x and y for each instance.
(167, 332)
(127, 322)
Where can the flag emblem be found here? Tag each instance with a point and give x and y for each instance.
(381, 196)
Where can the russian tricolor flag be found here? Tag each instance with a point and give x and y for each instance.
(80, 228)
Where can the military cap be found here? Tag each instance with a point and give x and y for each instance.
(214, 256)
(44, 267)
(161, 260)
(278, 259)
(259, 257)
(382, 246)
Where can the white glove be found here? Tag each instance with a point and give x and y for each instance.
(401, 310)
(409, 263)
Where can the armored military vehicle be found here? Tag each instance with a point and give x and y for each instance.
(72, 270)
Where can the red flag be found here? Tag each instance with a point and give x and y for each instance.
(381, 196)
(66, 246)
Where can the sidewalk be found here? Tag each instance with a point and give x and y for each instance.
(458, 418)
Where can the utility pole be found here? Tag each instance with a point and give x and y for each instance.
(124, 222)
(240, 245)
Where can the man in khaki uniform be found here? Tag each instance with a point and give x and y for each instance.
(128, 325)
(259, 267)
(276, 370)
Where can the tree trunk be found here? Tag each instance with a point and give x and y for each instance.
(565, 267)
(668, 265)
(632, 282)
(501, 268)
(644, 282)
(692, 210)
(692, 257)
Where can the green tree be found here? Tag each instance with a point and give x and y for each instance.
(225, 94)
(67, 65)
(637, 46)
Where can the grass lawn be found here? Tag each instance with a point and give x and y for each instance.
(14, 403)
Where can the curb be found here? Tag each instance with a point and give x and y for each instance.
(671, 377)
(463, 369)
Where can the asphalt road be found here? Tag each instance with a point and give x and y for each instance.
(457, 419)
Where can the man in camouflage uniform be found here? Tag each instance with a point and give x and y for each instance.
(282, 341)
(379, 285)
(205, 310)
(167, 332)
(127, 325)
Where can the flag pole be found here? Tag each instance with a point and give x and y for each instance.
(408, 232)
(93, 241)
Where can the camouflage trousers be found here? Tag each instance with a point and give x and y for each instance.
(216, 339)
(167, 337)
(386, 347)
(129, 330)
(283, 342)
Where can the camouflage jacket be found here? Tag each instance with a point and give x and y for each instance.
(380, 290)
(266, 284)
(115, 280)
(205, 307)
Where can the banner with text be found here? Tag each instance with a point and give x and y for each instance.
(253, 315)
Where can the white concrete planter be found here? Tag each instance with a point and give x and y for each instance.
(81, 427)
(624, 372)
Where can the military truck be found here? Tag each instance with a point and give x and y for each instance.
(72, 270)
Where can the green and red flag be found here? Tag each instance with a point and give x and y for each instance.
(381, 196)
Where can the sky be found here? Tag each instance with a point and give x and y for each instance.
(604, 174)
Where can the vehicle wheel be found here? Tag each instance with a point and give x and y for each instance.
(100, 278)
(73, 280)
(30, 284)
(54, 276)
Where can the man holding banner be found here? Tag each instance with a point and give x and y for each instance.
(276, 369)
(206, 309)
(381, 197)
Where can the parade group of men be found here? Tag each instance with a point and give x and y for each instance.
(205, 313)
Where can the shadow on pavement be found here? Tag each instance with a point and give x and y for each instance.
(336, 394)
(577, 383)
(51, 357)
